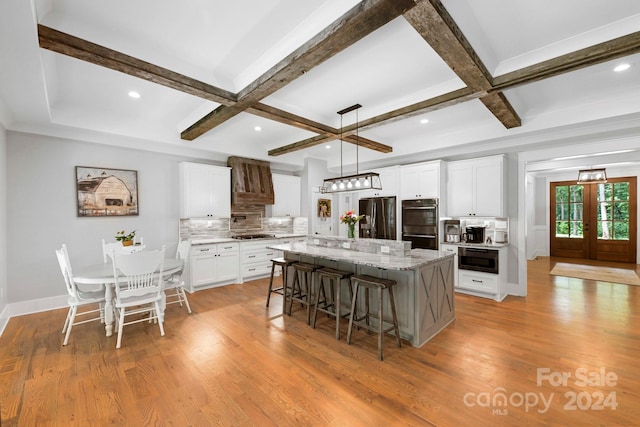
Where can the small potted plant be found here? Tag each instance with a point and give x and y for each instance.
(126, 239)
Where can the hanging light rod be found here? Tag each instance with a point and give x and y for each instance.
(359, 181)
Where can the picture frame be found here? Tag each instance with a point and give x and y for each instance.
(106, 192)
(324, 209)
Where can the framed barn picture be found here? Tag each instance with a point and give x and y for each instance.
(106, 192)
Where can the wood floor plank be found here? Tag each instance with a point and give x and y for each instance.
(236, 362)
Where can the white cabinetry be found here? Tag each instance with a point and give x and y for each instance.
(205, 190)
(389, 181)
(213, 265)
(485, 285)
(422, 180)
(452, 249)
(476, 187)
(286, 190)
(255, 258)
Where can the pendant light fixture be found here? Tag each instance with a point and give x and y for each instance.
(357, 182)
(592, 176)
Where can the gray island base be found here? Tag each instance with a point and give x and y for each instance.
(424, 292)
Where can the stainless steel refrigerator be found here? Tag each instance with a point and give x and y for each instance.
(379, 220)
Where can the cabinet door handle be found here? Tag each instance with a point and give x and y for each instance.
(228, 247)
(205, 250)
(252, 256)
(252, 269)
(477, 281)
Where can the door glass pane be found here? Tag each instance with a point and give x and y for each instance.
(604, 192)
(562, 194)
(562, 212)
(576, 193)
(604, 211)
(621, 231)
(576, 229)
(604, 230)
(562, 229)
(576, 211)
(621, 211)
(621, 191)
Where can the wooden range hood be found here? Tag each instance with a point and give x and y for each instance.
(251, 182)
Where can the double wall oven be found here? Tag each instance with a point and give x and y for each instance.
(420, 223)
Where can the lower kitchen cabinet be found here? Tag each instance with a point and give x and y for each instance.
(487, 285)
(444, 247)
(255, 258)
(213, 265)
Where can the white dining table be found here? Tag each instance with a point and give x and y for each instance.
(102, 274)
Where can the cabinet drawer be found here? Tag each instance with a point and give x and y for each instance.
(258, 256)
(203, 250)
(483, 282)
(256, 269)
(228, 247)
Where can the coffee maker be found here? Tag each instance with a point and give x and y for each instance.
(474, 234)
(452, 230)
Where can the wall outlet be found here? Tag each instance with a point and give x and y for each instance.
(316, 241)
(346, 245)
(384, 249)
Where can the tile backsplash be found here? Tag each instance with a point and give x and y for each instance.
(248, 222)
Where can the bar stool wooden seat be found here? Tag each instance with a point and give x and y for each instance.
(284, 264)
(302, 287)
(333, 278)
(370, 282)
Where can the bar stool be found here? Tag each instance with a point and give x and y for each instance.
(370, 282)
(302, 287)
(284, 264)
(334, 278)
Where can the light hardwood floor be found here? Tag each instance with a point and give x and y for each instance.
(235, 363)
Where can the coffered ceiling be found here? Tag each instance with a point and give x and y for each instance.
(435, 78)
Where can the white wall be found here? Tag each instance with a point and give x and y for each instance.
(4, 315)
(41, 208)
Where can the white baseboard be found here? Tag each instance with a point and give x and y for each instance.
(32, 306)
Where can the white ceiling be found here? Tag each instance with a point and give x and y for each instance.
(229, 44)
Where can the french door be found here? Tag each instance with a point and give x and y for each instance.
(594, 221)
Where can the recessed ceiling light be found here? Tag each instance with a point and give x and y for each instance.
(327, 146)
(424, 121)
(257, 128)
(621, 67)
(134, 94)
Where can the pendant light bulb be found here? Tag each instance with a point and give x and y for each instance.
(349, 184)
(334, 186)
(358, 184)
(366, 182)
(341, 185)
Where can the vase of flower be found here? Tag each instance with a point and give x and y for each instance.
(351, 219)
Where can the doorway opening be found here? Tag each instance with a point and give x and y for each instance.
(594, 221)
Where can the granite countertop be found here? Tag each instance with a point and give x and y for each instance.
(418, 258)
(477, 245)
(213, 240)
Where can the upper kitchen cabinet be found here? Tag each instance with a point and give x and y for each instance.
(422, 180)
(388, 180)
(476, 187)
(286, 189)
(251, 181)
(205, 191)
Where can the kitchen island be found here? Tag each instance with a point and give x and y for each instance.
(424, 293)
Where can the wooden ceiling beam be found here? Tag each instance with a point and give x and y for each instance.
(593, 55)
(432, 21)
(360, 21)
(75, 47)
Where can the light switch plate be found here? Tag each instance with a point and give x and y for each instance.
(316, 241)
(384, 249)
(346, 245)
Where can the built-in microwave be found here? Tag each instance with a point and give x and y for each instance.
(478, 259)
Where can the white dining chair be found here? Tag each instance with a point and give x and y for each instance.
(110, 248)
(78, 297)
(139, 287)
(176, 282)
